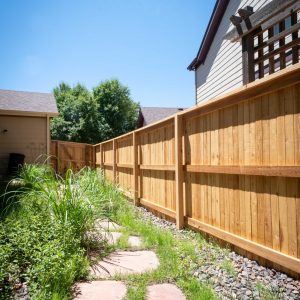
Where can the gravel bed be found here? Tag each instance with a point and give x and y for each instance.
(231, 275)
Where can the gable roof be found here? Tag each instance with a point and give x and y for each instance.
(209, 34)
(153, 114)
(28, 102)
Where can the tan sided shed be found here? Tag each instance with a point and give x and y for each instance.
(25, 124)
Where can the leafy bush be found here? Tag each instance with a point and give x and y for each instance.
(44, 254)
(43, 242)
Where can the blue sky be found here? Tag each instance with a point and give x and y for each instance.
(146, 44)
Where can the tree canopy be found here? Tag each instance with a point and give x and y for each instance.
(93, 116)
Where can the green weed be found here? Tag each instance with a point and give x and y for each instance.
(227, 265)
(268, 293)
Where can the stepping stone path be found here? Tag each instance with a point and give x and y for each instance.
(134, 241)
(112, 237)
(107, 225)
(165, 291)
(126, 262)
(120, 263)
(106, 228)
(96, 290)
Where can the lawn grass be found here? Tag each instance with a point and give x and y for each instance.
(177, 257)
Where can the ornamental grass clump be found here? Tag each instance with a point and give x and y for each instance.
(67, 200)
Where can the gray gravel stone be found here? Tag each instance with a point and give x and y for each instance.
(242, 281)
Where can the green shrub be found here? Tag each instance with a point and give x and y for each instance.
(44, 254)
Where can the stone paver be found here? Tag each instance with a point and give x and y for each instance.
(134, 241)
(111, 237)
(107, 225)
(125, 262)
(165, 291)
(100, 290)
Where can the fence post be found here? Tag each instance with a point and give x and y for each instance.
(114, 161)
(135, 169)
(178, 171)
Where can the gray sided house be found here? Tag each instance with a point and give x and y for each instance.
(220, 64)
(25, 125)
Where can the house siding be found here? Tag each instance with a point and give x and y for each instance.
(222, 70)
(26, 135)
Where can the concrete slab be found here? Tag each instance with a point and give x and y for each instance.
(100, 290)
(165, 291)
(125, 262)
(134, 241)
(106, 224)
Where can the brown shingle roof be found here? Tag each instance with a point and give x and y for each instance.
(154, 114)
(31, 102)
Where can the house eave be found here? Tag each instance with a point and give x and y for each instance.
(209, 34)
(27, 113)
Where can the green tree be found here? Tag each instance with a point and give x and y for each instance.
(118, 112)
(92, 117)
(77, 112)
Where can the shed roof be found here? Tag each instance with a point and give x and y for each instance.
(210, 33)
(28, 102)
(154, 114)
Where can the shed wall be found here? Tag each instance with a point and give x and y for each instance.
(26, 135)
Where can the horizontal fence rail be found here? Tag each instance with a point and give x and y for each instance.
(71, 155)
(229, 167)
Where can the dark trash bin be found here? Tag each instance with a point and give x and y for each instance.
(16, 160)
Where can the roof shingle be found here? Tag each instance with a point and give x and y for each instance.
(154, 114)
(28, 102)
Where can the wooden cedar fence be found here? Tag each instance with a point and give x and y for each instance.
(229, 167)
(69, 154)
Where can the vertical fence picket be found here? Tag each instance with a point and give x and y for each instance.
(101, 156)
(178, 171)
(135, 169)
(114, 161)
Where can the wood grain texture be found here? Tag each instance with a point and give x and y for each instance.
(178, 171)
(66, 155)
